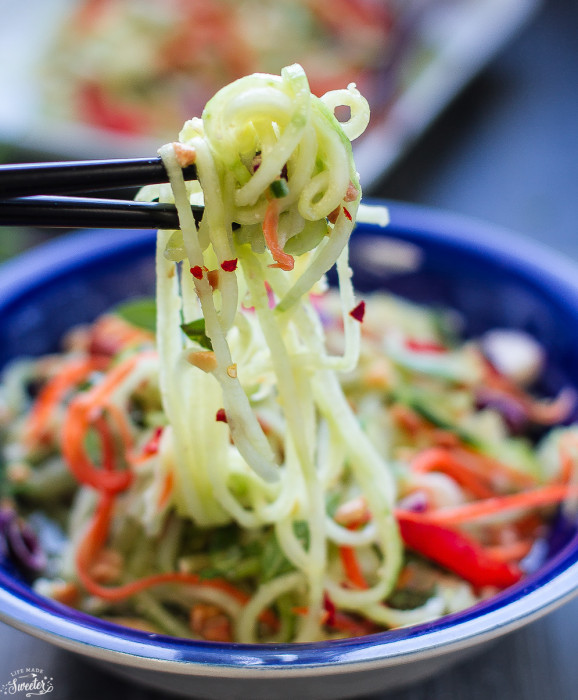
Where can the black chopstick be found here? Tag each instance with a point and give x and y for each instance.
(82, 212)
(26, 179)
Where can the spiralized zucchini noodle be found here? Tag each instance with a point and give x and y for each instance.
(258, 134)
(259, 470)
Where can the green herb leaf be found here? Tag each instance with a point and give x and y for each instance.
(409, 599)
(139, 312)
(209, 573)
(279, 188)
(273, 560)
(195, 330)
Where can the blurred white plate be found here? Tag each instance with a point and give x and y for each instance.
(457, 40)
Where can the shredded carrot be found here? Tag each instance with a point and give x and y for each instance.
(74, 431)
(546, 412)
(111, 334)
(117, 375)
(300, 610)
(118, 593)
(37, 428)
(95, 538)
(120, 421)
(108, 448)
(351, 566)
(536, 498)
(486, 466)
(527, 526)
(166, 490)
(270, 232)
(510, 552)
(443, 460)
(85, 411)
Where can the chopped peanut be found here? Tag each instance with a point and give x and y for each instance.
(354, 512)
(18, 472)
(66, 593)
(185, 155)
(232, 371)
(203, 359)
(444, 438)
(379, 374)
(107, 566)
(407, 419)
(77, 339)
(210, 622)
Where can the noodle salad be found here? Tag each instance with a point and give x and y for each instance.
(253, 457)
(137, 67)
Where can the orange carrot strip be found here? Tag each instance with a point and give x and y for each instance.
(510, 552)
(487, 466)
(82, 412)
(567, 469)
(111, 334)
(351, 566)
(36, 430)
(108, 452)
(74, 430)
(546, 412)
(442, 460)
(95, 539)
(545, 496)
(115, 377)
(270, 232)
(166, 490)
(118, 593)
(120, 421)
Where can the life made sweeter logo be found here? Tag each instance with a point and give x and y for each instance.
(27, 682)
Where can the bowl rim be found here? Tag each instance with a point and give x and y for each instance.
(550, 587)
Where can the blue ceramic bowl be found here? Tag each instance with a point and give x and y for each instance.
(493, 277)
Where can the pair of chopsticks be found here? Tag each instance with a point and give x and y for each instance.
(27, 194)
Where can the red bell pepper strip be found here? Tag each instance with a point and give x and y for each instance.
(98, 109)
(456, 552)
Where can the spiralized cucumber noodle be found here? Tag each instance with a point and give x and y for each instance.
(275, 167)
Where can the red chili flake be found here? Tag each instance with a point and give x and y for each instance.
(229, 265)
(330, 610)
(152, 446)
(221, 416)
(424, 346)
(197, 272)
(347, 214)
(358, 312)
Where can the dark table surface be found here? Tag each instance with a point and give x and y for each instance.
(506, 151)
